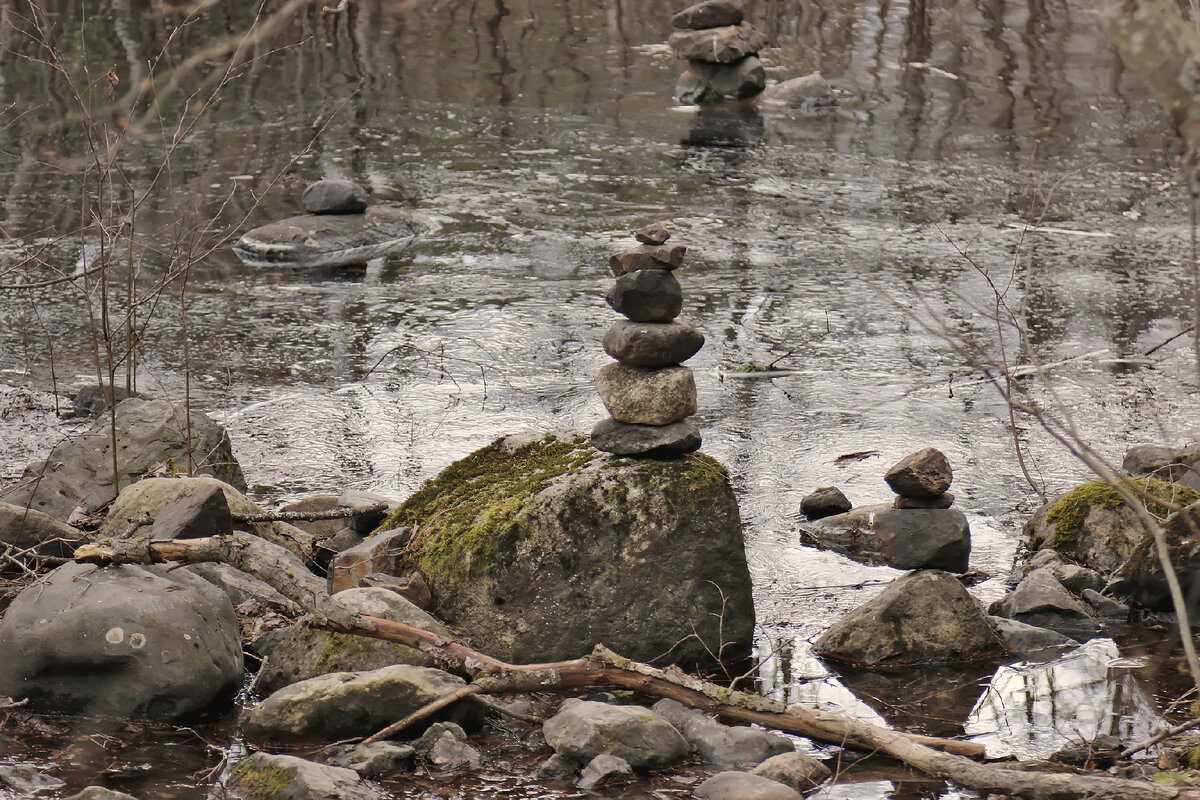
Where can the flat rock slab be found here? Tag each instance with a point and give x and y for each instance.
(624, 439)
(795, 769)
(719, 45)
(709, 14)
(666, 257)
(583, 729)
(325, 240)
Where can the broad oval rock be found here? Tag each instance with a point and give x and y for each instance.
(583, 729)
(719, 45)
(652, 344)
(647, 396)
(326, 240)
(647, 295)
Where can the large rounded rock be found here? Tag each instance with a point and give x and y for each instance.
(709, 14)
(120, 640)
(326, 240)
(583, 729)
(79, 472)
(647, 396)
(1092, 526)
(265, 776)
(921, 617)
(307, 650)
(538, 550)
(334, 197)
(744, 786)
(26, 529)
(719, 45)
(923, 474)
(346, 705)
(652, 344)
(646, 295)
(1042, 601)
(901, 538)
(1141, 577)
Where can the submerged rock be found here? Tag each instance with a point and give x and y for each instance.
(603, 769)
(120, 640)
(901, 538)
(583, 729)
(150, 434)
(921, 617)
(538, 550)
(324, 240)
(744, 786)
(807, 95)
(263, 776)
(375, 758)
(1025, 639)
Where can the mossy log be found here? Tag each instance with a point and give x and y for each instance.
(604, 668)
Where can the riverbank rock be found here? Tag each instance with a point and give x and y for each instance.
(744, 786)
(583, 729)
(1091, 526)
(345, 705)
(375, 758)
(263, 776)
(120, 640)
(540, 548)
(723, 745)
(327, 240)
(307, 650)
(26, 529)
(901, 538)
(151, 434)
(445, 747)
(921, 617)
(824, 502)
(1041, 600)
(1025, 639)
(795, 769)
(1141, 577)
(1175, 464)
(377, 555)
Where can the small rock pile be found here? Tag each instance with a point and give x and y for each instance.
(721, 49)
(647, 392)
(920, 480)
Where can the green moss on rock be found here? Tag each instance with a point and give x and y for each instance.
(1069, 513)
(259, 780)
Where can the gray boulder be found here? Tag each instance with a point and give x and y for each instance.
(557, 767)
(647, 396)
(824, 501)
(646, 295)
(99, 793)
(583, 729)
(120, 640)
(344, 705)
(27, 781)
(709, 14)
(1041, 600)
(328, 240)
(334, 197)
(25, 529)
(538, 550)
(263, 776)
(604, 768)
(901, 538)
(744, 786)
(1177, 464)
(375, 758)
(723, 745)
(445, 748)
(652, 344)
(807, 95)
(1105, 607)
(921, 617)
(1141, 578)
(925, 473)
(150, 434)
(307, 650)
(1025, 639)
(795, 769)
(625, 439)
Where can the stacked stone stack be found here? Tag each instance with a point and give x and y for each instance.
(647, 392)
(721, 49)
(920, 480)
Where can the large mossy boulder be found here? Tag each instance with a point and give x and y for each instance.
(1091, 525)
(538, 549)
(1141, 577)
(150, 435)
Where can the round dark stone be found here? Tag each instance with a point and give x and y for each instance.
(923, 474)
(824, 502)
(334, 197)
(648, 295)
(652, 344)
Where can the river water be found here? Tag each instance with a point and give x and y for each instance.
(985, 155)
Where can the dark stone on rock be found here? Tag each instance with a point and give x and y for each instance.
(723, 745)
(334, 197)
(721, 45)
(943, 500)
(602, 770)
(538, 548)
(1105, 606)
(647, 396)
(376, 758)
(92, 401)
(725, 125)
(1024, 639)
(804, 96)
(99, 793)
(824, 502)
(263, 776)
(709, 14)
(583, 729)
(652, 344)
(378, 553)
(917, 539)
(307, 650)
(557, 767)
(133, 644)
(79, 471)
(1041, 600)
(923, 474)
(737, 80)
(652, 234)
(744, 786)
(795, 769)
(326, 240)
(196, 513)
(922, 617)
(345, 705)
(653, 257)
(625, 439)
(647, 295)
(25, 529)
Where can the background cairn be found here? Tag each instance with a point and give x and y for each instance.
(722, 53)
(647, 393)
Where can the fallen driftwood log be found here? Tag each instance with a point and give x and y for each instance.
(947, 759)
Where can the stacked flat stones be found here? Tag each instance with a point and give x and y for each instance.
(721, 50)
(647, 392)
(920, 480)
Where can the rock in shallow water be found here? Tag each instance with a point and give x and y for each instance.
(583, 729)
(334, 197)
(744, 786)
(923, 474)
(824, 502)
(263, 776)
(325, 240)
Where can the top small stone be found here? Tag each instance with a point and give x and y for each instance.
(709, 14)
(334, 197)
(925, 473)
(652, 234)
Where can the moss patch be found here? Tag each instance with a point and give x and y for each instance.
(1070, 512)
(263, 780)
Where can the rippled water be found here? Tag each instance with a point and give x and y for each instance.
(978, 144)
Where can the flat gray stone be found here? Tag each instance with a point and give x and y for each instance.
(709, 14)
(652, 344)
(376, 758)
(334, 197)
(655, 234)
(1023, 639)
(625, 439)
(744, 786)
(723, 745)
(604, 768)
(798, 770)
(807, 95)
(647, 256)
(584, 729)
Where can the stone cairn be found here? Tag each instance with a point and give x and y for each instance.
(647, 392)
(920, 480)
(721, 50)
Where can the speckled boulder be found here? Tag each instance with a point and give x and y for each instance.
(584, 729)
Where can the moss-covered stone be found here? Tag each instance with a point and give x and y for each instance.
(1141, 577)
(541, 549)
(265, 776)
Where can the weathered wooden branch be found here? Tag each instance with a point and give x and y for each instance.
(605, 668)
(309, 516)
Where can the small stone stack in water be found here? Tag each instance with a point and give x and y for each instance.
(721, 50)
(647, 392)
(334, 196)
(920, 480)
